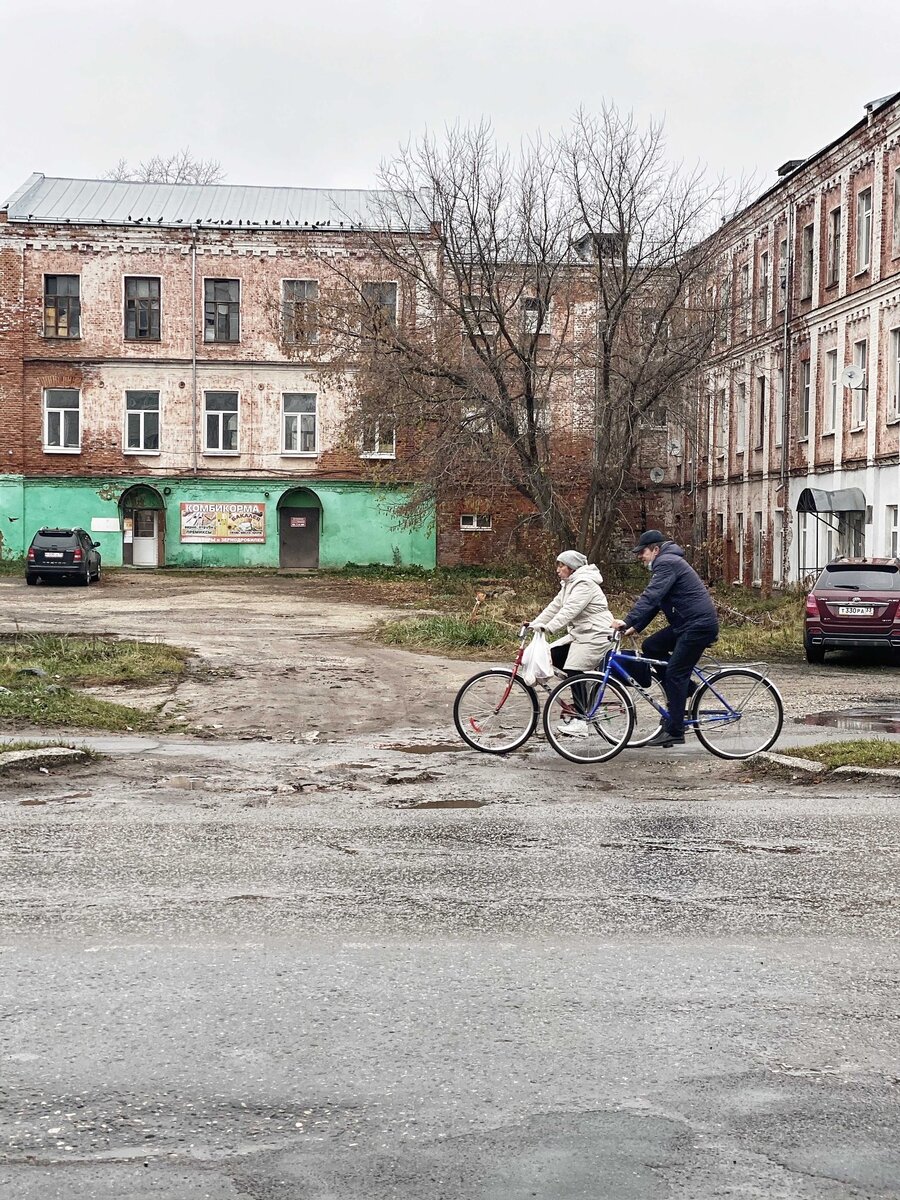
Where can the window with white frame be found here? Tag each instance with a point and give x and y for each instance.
(803, 533)
(833, 265)
(475, 522)
(893, 388)
(895, 238)
(892, 534)
(804, 397)
(762, 415)
(142, 422)
(779, 404)
(830, 406)
(782, 272)
(778, 546)
(740, 546)
(740, 416)
(721, 419)
(806, 262)
(379, 439)
(860, 394)
(299, 304)
(298, 421)
(863, 230)
(764, 287)
(757, 546)
(221, 411)
(62, 420)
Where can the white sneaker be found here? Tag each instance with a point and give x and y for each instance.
(573, 728)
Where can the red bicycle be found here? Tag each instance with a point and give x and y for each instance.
(496, 711)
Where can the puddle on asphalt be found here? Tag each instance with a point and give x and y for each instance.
(427, 747)
(871, 718)
(448, 804)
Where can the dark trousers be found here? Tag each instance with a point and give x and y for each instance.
(683, 650)
(580, 696)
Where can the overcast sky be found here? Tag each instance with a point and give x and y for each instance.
(316, 94)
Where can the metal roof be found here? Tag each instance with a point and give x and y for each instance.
(45, 200)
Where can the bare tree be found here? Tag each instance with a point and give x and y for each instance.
(549, 304)
(180, 167)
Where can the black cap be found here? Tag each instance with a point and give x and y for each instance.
(651, 538)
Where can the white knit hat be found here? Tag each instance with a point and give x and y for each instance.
(573, 559)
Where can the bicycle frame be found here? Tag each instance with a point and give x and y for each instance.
(613, 669)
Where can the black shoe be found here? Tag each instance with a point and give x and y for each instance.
(666, 739)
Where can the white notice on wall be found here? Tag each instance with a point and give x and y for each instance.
(104, 524)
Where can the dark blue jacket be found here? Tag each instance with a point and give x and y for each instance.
(677, 589)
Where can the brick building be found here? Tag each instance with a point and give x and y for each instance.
(146, 390)
(797, 458)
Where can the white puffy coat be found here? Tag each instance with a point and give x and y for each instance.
(580, 607)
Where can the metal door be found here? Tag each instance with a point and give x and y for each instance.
(298, 530)
(145, 548)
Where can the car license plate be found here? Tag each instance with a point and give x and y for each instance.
(856, 610)
(53, 554)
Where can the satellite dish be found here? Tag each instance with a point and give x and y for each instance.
(674, 448)
(657, 474)
(853, 377)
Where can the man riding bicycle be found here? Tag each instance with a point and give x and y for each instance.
(677, 590)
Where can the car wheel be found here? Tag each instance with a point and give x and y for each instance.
(97, 576)
(814, 654)
(31, 580)
(85, 579)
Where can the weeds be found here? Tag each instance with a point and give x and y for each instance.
(861, 752)
(58, 707)
(438, 633)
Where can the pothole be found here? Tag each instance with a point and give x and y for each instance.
(869, 718)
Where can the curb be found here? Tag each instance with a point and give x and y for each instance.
(49, 757)
(807, 765)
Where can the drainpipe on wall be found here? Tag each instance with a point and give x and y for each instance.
(194, 353)
(787, 389)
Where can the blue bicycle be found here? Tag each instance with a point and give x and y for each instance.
(735, 712)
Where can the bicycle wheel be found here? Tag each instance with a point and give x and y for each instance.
(647, 720)
(586, 721)
(495, 712)
(738, 712)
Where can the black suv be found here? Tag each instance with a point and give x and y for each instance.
(63, 553)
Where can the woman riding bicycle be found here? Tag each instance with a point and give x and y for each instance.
(580, 607)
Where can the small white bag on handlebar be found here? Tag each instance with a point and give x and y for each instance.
(537, 665)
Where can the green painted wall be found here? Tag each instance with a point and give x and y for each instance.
(12, 514)
(358, 522)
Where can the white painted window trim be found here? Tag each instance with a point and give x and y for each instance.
(468, 522)
(861, 265)
(48, 449)
(213, 453)
(126, 449)
(285, 453)
(830, 405)
(379, 453)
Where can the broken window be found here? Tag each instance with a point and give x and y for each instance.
(141, 308)
(62, 306)
(380, 300)
(222, 310)
(300, 303)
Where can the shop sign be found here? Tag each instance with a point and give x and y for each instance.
(214, 522)
(298, 522)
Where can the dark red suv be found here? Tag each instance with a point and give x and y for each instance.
(854, 602)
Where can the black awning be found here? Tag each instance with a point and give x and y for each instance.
(815, 500)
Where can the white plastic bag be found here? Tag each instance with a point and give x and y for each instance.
(537, 665)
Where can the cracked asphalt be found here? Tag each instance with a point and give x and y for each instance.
(314, 948)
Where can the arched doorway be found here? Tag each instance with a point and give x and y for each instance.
(143, 526)
(299, 529)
